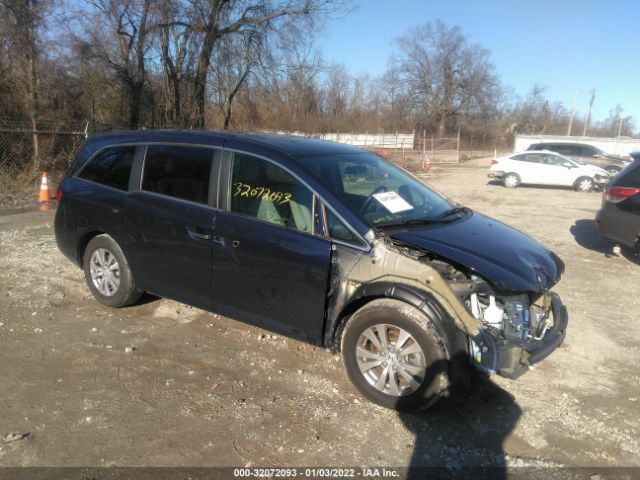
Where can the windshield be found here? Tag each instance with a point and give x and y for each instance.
(382, 193)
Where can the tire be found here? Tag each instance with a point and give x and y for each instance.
(613, 170)
(107, 273)
(584, 184)
(413, 381)
(511, 180)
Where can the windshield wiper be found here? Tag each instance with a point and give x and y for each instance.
(440, 219)
(453, 211)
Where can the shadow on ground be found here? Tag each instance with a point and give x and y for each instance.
(527, 186)
(463, 438)
(584, 232)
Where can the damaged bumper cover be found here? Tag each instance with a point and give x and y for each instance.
(511, 359)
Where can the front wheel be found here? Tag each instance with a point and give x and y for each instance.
(394, 356)
(107, 273)
(584, 184)
(613, 170)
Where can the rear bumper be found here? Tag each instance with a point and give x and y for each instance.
(614, 224)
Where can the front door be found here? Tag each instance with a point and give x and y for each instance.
(269, 266)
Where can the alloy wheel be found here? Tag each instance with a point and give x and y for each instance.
(105, 272)
(390, 359)
(585, 185)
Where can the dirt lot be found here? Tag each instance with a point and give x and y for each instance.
(197, 389)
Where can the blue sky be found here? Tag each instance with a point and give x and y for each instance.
(563, 45)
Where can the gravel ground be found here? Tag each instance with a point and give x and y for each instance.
(164, 384)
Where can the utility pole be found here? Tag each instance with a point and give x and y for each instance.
(620, 126)
(573, 110)
(586, 124)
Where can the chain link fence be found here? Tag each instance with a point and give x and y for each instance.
(26, 152)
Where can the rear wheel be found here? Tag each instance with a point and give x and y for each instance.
(584, 184)
(511, 180)
(107, 273)
(394, 356)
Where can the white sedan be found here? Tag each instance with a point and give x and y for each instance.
(546, 168)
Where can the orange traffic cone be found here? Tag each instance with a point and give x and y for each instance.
(44, 196)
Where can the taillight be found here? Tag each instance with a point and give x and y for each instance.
(58, 194)
(618, 194)
(494, 162)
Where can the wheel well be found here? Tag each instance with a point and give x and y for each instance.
(344, 316)
(84, 241)
(428, 304)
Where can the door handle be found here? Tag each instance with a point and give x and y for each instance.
(201, 233)
(217, 239)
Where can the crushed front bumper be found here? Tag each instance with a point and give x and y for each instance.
(513, 360)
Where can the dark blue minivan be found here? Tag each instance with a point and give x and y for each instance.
(320, 241)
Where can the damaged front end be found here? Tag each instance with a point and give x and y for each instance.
(500, 331)
(518, 330)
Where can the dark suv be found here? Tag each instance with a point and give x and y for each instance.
(319, 241)
(584, 153)
(619, 217)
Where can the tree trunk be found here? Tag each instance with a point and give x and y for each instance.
(232, 95)
(200, 81)
(32, 54)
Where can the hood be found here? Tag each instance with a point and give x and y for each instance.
(593, 169)
(502, 255)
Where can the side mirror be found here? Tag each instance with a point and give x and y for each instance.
(568, 165)
(596, 155)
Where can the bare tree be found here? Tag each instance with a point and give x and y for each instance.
(214, 19)
(118, 34)
(178, 46)
(235, 59)
(22, 21)
(445, 76)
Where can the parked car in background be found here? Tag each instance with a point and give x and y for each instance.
(619, 217)
(546, 168)
(320, 241)
(584, 153)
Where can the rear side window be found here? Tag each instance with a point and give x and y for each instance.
(178, 171)
(528, 157)
(565, 150)
(587, 152)
(110, 167)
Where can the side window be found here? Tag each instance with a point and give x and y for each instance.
(111, 167)
(586, 152)
(262, 190)
(563, 150)
(528, 157)
(554, 160)
(338, 230)
(178, 171)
